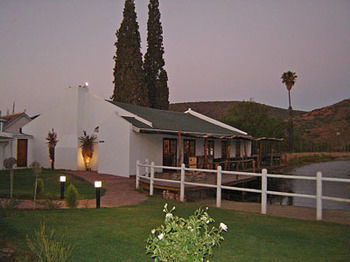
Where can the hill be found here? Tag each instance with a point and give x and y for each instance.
(328, 127)
(323, 129)
(217, 109)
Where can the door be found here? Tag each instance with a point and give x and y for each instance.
(225, 149)
(189, 150)
(169, 151)
(22, 146)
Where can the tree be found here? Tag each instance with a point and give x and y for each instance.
(129, 78)
(155, 74)
(289, 78)
(52, 142)
(162, 86)
(253, 118)
(37, 171)
(87, 148)
(9, 163)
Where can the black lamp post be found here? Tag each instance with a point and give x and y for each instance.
(98, 185)
(63, 181)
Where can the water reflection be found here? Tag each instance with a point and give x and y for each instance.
(338, 169)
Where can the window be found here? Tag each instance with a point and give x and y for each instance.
(169, 151)
(210, 148)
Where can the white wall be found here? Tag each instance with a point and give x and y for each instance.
(200, 147)
(77, 111)
(63, 118)
(114, 146)
(6, 151)
(146, 146)
(217, 148)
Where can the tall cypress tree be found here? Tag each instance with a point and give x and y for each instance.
(129, 77)
(155, 75)
(162, 88)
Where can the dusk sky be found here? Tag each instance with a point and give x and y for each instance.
(214, 50)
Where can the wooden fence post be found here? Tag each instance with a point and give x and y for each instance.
(218, 187)
(182, 183)
(151, 180)
(137, 174)
(263, 191)
(319, 196)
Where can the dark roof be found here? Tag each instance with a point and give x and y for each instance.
(172, 121)
(13, 117)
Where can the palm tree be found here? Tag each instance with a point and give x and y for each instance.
(289, 78)
(87, 147)
(52, 142)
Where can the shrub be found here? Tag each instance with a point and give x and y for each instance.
(181, 239)
(72, 196)
(40, 186)
(48, 246)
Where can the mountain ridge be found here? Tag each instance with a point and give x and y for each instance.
(326, 128)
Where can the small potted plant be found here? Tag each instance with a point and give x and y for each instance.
(87, 143)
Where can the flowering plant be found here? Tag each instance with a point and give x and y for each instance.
(180, 239)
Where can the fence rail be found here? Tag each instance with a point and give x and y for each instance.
(149, 169)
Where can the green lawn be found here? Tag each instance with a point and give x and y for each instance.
(119, 234)
(24, 180)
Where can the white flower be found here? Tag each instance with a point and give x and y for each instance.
(208, 221)
(168, 215)
(223, 226)
(153, 231)
(165, 207)
(161, 236)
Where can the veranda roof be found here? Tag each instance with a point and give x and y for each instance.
(170, 122)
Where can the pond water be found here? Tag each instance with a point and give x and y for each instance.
(336, 169)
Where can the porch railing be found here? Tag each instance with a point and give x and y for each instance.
(149, 170)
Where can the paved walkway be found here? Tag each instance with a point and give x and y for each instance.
(120, 191)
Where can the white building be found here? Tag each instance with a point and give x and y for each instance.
(127, 133)
(13, 143)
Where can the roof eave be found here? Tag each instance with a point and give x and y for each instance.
(191, 134)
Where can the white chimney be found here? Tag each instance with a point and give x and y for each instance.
(2, 123)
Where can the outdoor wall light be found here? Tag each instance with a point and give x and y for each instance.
(63, 181)
(98, 185)
(87, 160)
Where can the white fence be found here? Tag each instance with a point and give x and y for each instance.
(150, 169)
